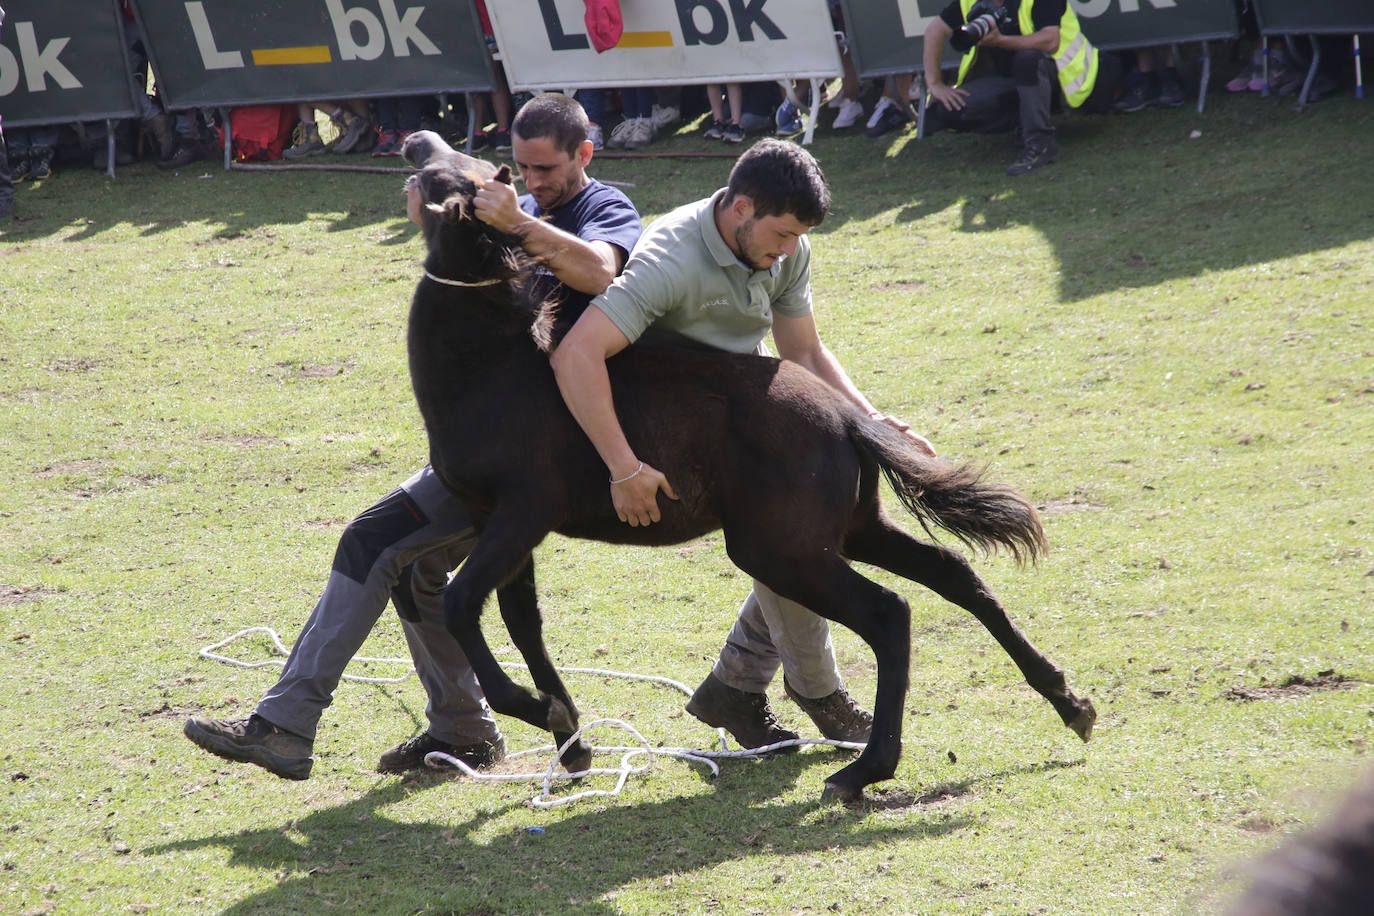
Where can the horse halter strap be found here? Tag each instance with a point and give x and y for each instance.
(489, 282)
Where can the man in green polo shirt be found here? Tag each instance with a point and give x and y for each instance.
(722, 273)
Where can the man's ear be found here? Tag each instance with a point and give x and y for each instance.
(503, 175)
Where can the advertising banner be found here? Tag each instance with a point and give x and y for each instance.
(56, 67)
(212, 53)
(887, 36)
(1115, 24)
(544, 44)
(1288, 17)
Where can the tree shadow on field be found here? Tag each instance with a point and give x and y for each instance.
(353, 858)
(1136, 201)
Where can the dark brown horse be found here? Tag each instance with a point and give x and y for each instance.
(760, 448)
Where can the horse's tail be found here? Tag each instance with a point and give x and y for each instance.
(954, 497)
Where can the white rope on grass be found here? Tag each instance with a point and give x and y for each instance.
(626, 768)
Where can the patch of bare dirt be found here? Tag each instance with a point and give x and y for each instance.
(325, 370)
(1295, 685)
(240, 441)
(12, 595)
(77, 466)
(905, 800)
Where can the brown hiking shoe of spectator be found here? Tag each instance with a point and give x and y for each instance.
(746, 716)
(254, 740)
(410, 755)
(837, 715)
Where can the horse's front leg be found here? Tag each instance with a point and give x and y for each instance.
(520, 610)
(502, 551)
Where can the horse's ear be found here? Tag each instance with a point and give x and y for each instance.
(503, 175)
(453, 210)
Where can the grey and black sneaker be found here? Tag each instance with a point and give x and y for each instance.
(715, 130)
(732, 133)
(352, 129)
(254, 740)
(1034, 156)
(837, 715)
(746, 716)
(410, 755)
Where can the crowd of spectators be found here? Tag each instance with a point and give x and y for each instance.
(1012, 87)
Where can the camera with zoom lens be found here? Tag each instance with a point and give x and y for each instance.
(983, 15)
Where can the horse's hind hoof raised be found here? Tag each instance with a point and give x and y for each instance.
(1082, 724)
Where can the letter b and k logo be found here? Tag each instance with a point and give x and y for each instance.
(359, 34)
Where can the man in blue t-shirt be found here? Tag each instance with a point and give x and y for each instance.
(403, 548)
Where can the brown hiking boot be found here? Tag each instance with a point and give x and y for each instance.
(837, 715)
(410, 755)
(254, 740)
(746, 716)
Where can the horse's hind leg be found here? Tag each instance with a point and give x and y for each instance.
(947, 573)
(824, 584)
(519, 604)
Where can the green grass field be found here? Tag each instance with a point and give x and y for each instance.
(1164, 341)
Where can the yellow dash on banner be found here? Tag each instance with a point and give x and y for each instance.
(271, 57)
(645, 40)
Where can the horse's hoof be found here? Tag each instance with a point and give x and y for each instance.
(847, 794)
(577, 759)
(1082, 724)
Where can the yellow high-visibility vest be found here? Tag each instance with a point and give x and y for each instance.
(1075, 59)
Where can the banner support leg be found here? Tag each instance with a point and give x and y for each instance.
(109, 148)
(921, 109)
(817, 84)
(1206, 77)
(1311, 71)
(1359, 74)
(228, 137)
(471, 99)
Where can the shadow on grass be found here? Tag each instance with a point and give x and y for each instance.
(353, 858)
(1137, 201)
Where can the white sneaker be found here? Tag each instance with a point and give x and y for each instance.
(663, 115)
(595, 135)
(851, 110)
(642, 134)
(620, 133)
(883, 105)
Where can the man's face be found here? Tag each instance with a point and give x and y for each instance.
(551, 176)
(761, 241)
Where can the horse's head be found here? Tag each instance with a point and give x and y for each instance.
(447, 181)
(462, 249)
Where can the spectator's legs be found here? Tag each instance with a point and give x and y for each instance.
(6, 182)
(1035, 77)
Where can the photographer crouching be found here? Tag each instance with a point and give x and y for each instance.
(1036, 53)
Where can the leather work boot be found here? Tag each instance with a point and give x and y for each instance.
(254, 740)
(410, 755)
(837, 715)
(746, 716)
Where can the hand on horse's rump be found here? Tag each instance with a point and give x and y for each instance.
(921, 441)
(636, 497)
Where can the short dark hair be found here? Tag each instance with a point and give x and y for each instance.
(780, 178)
(556, 116)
